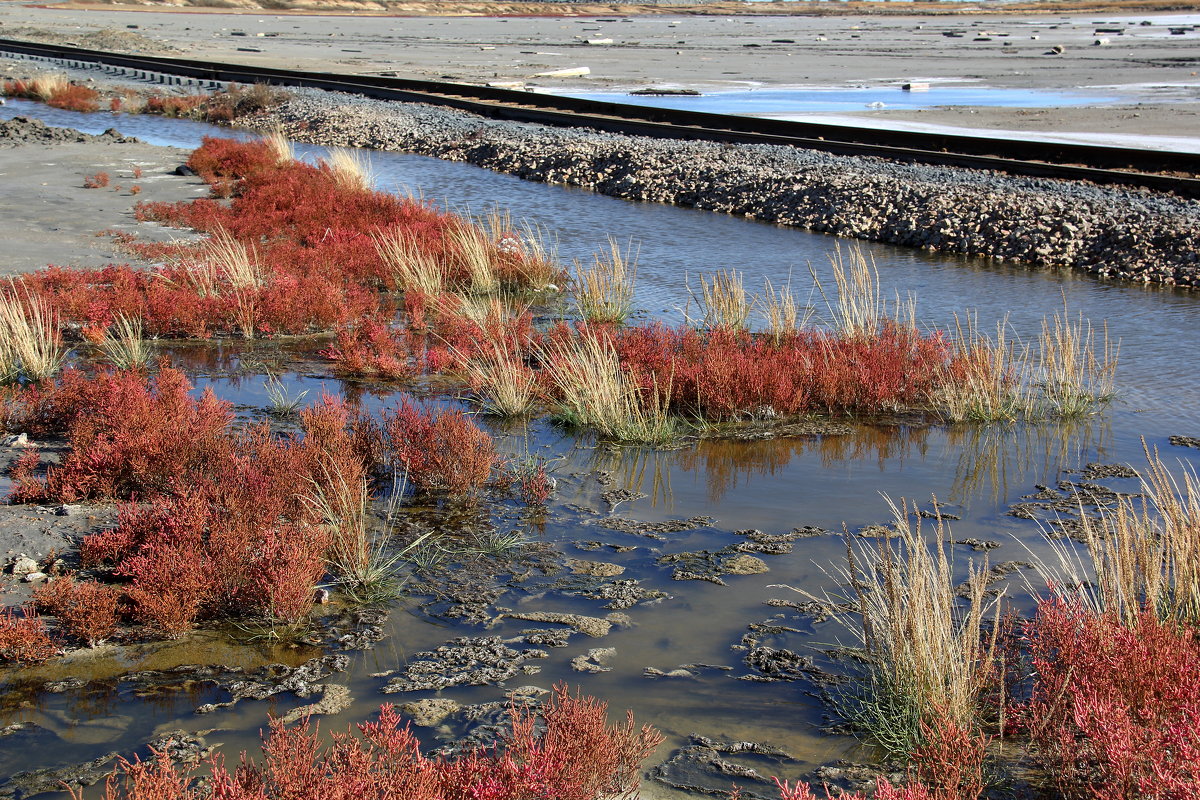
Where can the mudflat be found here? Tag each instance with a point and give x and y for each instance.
(1139, 70)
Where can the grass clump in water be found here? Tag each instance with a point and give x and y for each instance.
(928, 655)
(594, 391)
(604, 291)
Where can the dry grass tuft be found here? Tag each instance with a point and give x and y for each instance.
(989, 385)
(350, 168)
(503, 384)
(1075, 371)
(411, 267)
(1146, 551)
(30, 338)
(929, 656)
(473, 252)
(595, 392)
(780, 311)
(46, 85)
(123, 344)
(535, 249)
(280, 146)
(860, 308)
(604, 291)
(724, 301)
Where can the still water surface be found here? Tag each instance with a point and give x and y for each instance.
(773, 486)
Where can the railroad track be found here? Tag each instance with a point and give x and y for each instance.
(1152, 169)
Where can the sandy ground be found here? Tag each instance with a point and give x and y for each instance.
(47, 217)
(1145, 71)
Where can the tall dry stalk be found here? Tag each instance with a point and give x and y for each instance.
(985, 382)
(30, 337)
(351, 168)
(604, 291)
(124, 345)
(473, 252)
(929, 655)
(780, 311)
(220, 262)
(411, 267)
(724, 301)
(860, 309)
(595, 392)
(1076, 369)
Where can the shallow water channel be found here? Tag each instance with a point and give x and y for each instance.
(774, 486)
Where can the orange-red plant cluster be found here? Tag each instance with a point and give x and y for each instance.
(308, 238)
(577, 755)
(24, 638)
(67, 96)
(1115, 711)
(219, 524)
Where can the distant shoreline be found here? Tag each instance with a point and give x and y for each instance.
(541, 9)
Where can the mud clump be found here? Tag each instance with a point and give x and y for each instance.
(465, 661)
(23, 130)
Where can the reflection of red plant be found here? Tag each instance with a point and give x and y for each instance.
(578, 756)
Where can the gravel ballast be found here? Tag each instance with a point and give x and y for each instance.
(1133, 234)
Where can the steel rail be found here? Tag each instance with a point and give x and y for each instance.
(1153, 169)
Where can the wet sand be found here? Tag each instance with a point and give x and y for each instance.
(1145, 71)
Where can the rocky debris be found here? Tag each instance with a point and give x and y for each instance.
(655, 530)
(982, 545)
(335, 699)
(1184, 441)
(818, 610)
(621, 593)
(465, 661)
(854, 777)
(53, 779)
(685, 671)
(182, 747)
(1107, 231)
(591, 626)
(614, 497)
(18, 440)
(430, 711)
(596, 660)
(616, 548)
(359, 629)
(23, 130)
(704, 767)
(599, 569)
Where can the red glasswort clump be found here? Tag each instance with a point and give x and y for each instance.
(438, 451)
(97, 181)
(87, 610)
(23, 637)
(1115, 711)
(578, 756)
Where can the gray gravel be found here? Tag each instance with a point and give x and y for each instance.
(23, 130)
(1110, 232)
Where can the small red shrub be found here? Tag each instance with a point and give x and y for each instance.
(114, 105)
(579, 756)
(23, 638)
(1115, 711)
(438, 451)
(85, 609)
(135, 189)
(97, 181)
(75, 98)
